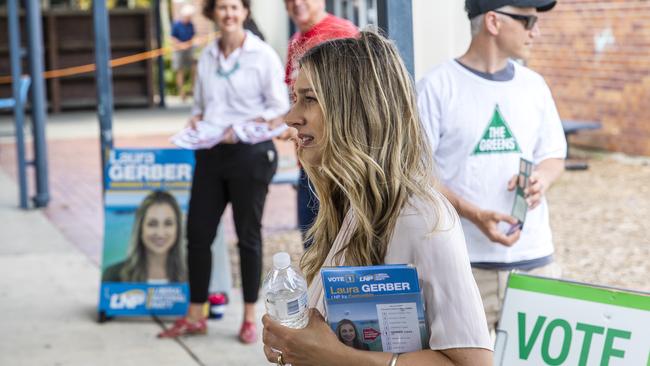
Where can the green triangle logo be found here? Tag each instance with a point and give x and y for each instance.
(497, 137)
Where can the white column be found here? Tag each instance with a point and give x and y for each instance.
(440, 32)
(273, 21)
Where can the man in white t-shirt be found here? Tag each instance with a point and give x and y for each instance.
(483, 112)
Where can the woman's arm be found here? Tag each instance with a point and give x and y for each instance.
(276, 95)
(452, 356)
(449, 357)
(199, 103)
(317, 345)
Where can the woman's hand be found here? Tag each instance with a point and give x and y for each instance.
(316, 344)
(191, 123)
(275, 123)
(229, 137)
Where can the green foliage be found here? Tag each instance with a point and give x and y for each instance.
(170, 78)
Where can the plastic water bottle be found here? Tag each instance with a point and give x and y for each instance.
(286, 293)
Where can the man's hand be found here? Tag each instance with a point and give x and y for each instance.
(535, 190)
(488, 222)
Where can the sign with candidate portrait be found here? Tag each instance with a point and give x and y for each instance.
(144, 270)
(553, 322)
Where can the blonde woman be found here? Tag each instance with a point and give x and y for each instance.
(364, 149)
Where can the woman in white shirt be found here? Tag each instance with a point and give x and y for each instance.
(364, 149)
(239, 79)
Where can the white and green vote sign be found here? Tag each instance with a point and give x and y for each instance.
(497, 137)
(554, 322)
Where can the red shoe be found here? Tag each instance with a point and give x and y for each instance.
(183, 327)
(248, 333)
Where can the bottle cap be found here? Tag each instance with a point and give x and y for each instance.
(281, 260)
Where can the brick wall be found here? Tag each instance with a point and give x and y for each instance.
(595, 55)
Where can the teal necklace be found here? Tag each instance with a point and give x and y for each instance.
(222, 72)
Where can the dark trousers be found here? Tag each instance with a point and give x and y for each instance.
(238, 174)
(307, 206)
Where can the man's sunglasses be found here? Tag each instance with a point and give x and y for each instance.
(528, 20)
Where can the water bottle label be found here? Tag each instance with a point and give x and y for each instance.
(291, 307)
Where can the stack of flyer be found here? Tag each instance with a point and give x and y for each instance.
(376, 308)
(256, 132)
(206, 135)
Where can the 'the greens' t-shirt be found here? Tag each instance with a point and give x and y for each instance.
(478, 130)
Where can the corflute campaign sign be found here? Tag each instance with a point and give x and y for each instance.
(146, 195)
(554, 322)
(377, 308)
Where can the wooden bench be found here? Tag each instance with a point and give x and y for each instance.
(571, 128)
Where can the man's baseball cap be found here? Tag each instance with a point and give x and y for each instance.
(478, 7)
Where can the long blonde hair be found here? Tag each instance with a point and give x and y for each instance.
(375, 154)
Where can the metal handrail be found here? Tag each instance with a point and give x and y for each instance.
(20, 87)
(10, 103)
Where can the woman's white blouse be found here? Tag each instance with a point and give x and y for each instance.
(454, 309)
(255, 89)
(453, 305)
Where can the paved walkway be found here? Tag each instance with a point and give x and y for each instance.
(50, 283)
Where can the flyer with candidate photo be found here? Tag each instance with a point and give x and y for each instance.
(376, 308)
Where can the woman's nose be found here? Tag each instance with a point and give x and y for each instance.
(293, 118)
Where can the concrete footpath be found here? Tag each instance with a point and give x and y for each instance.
(49, 291)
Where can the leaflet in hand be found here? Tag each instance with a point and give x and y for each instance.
(205, 136)
(520, 205)
(384, 303)
(254, 132)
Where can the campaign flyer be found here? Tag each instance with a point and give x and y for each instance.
(144, 270)
(376, 308)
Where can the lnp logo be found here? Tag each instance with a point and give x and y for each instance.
(127, 300)
(374, 277)
(497, 137)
